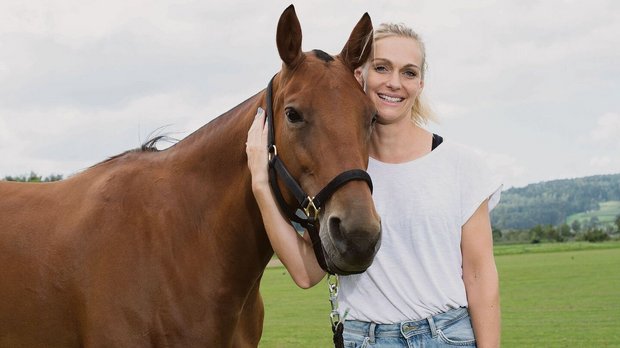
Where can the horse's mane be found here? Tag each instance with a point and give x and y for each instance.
(149, 145)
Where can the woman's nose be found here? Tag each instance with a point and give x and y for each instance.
(394, 81)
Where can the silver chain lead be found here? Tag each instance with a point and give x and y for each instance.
(334, 315)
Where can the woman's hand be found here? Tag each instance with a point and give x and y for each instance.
(256, 150)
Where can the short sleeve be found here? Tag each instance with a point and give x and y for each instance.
(477, 181)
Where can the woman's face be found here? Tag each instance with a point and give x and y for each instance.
(394, 77)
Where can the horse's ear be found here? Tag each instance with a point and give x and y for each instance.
(356, 50)
(288, 37)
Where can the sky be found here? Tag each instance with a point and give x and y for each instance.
(535, 85)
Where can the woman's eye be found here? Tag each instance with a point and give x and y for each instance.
(411, 74)
(381, 68)
(292, 115)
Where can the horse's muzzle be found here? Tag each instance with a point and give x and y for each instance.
(350, 245)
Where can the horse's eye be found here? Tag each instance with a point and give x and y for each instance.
(292, 115)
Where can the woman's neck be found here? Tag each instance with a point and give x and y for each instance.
(399, 142)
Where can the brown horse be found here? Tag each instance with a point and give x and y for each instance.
(167, 248)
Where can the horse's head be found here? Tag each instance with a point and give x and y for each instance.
(322, 125)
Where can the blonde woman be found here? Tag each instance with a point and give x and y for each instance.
(433, 282)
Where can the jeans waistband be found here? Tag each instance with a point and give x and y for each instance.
(406, 329)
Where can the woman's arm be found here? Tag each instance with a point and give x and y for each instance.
(480, 277)
(295, 252)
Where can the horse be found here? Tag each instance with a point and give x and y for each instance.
(167, 248)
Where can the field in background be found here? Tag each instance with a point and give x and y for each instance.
(606, 214)
(553, 295)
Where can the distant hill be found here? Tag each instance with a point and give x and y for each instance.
(553, 202)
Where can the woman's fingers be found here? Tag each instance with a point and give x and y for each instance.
(256, 129)
(256, 148)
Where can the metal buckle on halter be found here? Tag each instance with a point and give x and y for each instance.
(311, 210)
(272, 152)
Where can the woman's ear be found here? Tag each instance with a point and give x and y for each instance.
(359, 75)
(421, 87)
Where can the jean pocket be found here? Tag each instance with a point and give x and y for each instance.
(355, 344)
(349, 344)
(459, 333)
(354, 340)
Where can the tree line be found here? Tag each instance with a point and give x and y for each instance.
(33, 177)
(561, 233)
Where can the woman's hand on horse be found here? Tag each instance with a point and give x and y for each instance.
(256, 150)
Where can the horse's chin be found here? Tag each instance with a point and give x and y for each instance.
(335, 268)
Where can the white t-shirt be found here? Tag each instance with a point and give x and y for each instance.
(423, 204)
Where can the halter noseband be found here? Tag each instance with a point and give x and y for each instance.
(307, 212)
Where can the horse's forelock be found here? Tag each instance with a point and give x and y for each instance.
(322, 55)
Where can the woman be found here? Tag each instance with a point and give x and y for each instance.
(433, 282)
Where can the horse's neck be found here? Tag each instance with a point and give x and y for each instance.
(215, 177)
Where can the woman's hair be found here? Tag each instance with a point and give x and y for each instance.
(421, 113)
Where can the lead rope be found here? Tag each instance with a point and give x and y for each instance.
(334, 315)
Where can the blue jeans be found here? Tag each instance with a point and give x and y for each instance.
(449, 329)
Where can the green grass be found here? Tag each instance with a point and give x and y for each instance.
(553, 295)
(566, 299)
(606, 214)
(294, 317)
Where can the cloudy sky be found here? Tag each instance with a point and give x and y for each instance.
(534, 84)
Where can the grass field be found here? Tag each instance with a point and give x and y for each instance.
(553, 295)
(512, 249)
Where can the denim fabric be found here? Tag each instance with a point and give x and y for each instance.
(449, 329)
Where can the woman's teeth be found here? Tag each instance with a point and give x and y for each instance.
(390, 99)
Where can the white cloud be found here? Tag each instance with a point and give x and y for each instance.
(449, 111)
(601, 161)
(76, 23)
(508, 168)
(604, 164)
(607, 128)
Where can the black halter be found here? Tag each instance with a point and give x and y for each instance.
(307, 212)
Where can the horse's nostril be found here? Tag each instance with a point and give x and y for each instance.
(334, 223)
(353, 239)
(335, 229)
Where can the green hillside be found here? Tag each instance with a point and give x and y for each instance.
(559, 201)
(606, 214)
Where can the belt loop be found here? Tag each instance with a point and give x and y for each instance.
(371, 333)
(431, 324)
